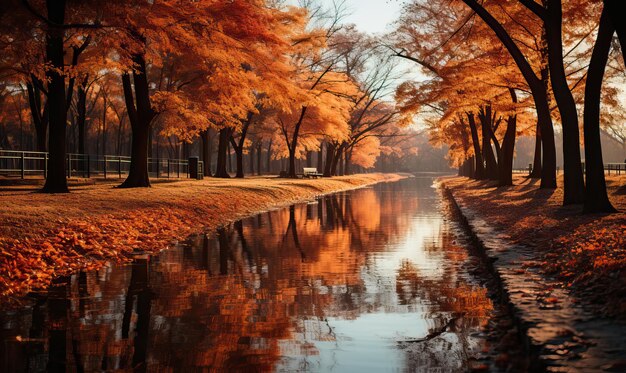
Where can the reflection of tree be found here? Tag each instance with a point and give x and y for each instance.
(204, 262)
(224, 250)
(293, 229)
(461, 308)
(58, 308)
(242, 239)
(138, 289)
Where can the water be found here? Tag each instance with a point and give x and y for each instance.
(375, 279)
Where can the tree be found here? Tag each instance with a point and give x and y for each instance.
(469, 95)
(56, 23)
(538, 90)
(208, 54)
(596, 198)
(552, 17)
(471, 75)
(323, 110)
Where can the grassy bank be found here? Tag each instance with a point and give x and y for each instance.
(586, 252)
(45, 236)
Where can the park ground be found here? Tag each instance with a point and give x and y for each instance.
(585, 253)
(44, 236)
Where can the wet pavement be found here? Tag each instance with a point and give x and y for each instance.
(565, 333)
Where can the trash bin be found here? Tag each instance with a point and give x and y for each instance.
(194, 168)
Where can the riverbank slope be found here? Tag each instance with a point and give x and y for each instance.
(45, 236)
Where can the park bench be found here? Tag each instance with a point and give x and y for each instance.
(310, 172)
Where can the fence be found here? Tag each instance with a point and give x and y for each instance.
(617, 168)
(24, 164)
(609, 168)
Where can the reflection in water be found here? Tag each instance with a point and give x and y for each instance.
(370, 280)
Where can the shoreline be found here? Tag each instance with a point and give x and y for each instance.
(562, 330)
(510, 346)
(43, 237)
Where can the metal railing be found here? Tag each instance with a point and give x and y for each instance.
(609, 168)
(617, 168)
(23, 164)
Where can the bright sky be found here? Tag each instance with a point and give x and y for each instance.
(372, 16)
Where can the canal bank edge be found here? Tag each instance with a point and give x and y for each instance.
(86, 229)
(558, 332)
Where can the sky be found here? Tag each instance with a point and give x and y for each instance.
(372, 16)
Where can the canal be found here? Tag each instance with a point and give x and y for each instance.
(372, 280)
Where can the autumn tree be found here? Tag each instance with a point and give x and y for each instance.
(471, 86)
(372, 109)
(55, 28)
(596, 198)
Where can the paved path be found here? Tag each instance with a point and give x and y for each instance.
(567, 335)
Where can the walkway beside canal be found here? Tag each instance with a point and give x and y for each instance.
(542, 253)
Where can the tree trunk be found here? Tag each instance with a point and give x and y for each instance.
(56, 182)
(348, 170)
(536, 172)
(330, 155)
(229, 158)
(292, 163)
(239, 157)
(104, 127)
(294, 144)
(269, 156)
(486, 122)
(40, 119)
(81, 116)
(572, 169)
(342, 164)
(222, 153)
(138, 173)
(206, 152)
(478, 155)
(596, 198)
(548, 169)
(251, 157)
(320, 159)
(471, 162)
(258, 157)
(336, 160)
(238, 146)
(506, 153)
(538, 91)
(508, 147)
(140, 114)
(616, 11)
